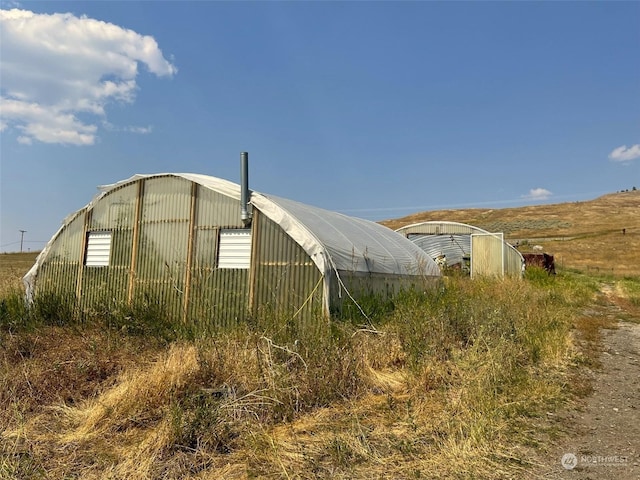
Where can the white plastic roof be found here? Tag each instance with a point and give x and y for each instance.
(333, 241)
(347, 243)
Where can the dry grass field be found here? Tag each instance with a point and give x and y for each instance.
(454, 382)
(13, 266)
(581, 235)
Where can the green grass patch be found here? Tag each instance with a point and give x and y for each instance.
(631, 288)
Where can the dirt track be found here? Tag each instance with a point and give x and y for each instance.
(602, 438)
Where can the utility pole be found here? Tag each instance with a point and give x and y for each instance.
(22, 232)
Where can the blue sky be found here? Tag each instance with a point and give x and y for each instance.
(374, 109)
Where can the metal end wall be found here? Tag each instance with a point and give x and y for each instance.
(164, 248)
(59, 274)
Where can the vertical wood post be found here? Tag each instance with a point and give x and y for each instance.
(253, 265)
(136, 239)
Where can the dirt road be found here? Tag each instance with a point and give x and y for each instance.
(602, 440)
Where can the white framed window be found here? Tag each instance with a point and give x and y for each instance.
(98, 249)
(234, 249)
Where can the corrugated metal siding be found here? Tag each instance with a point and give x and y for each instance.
(103, 288)
(287, 282)
(163, 243)
(380, 286)
(217, 210)
(106, 288)
(116, 210)
(440, 228)
(513, 262)
(218, 297)
(487, 254)
(455, 247)
(59, 271)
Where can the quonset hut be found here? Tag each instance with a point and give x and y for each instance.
(209, 250)
(469, 248)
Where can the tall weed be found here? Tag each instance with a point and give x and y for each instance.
(46, 310)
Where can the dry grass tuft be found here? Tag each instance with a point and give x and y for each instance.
(387, 381)
(138, 397)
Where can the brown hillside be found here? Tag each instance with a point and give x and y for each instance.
(585, 235)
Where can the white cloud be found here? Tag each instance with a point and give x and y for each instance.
(58, 67)
(129, 128)
(46, 123)
(625, 154)
(538, 194)
(140, 130)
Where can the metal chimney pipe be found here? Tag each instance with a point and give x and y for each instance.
(245, 216)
